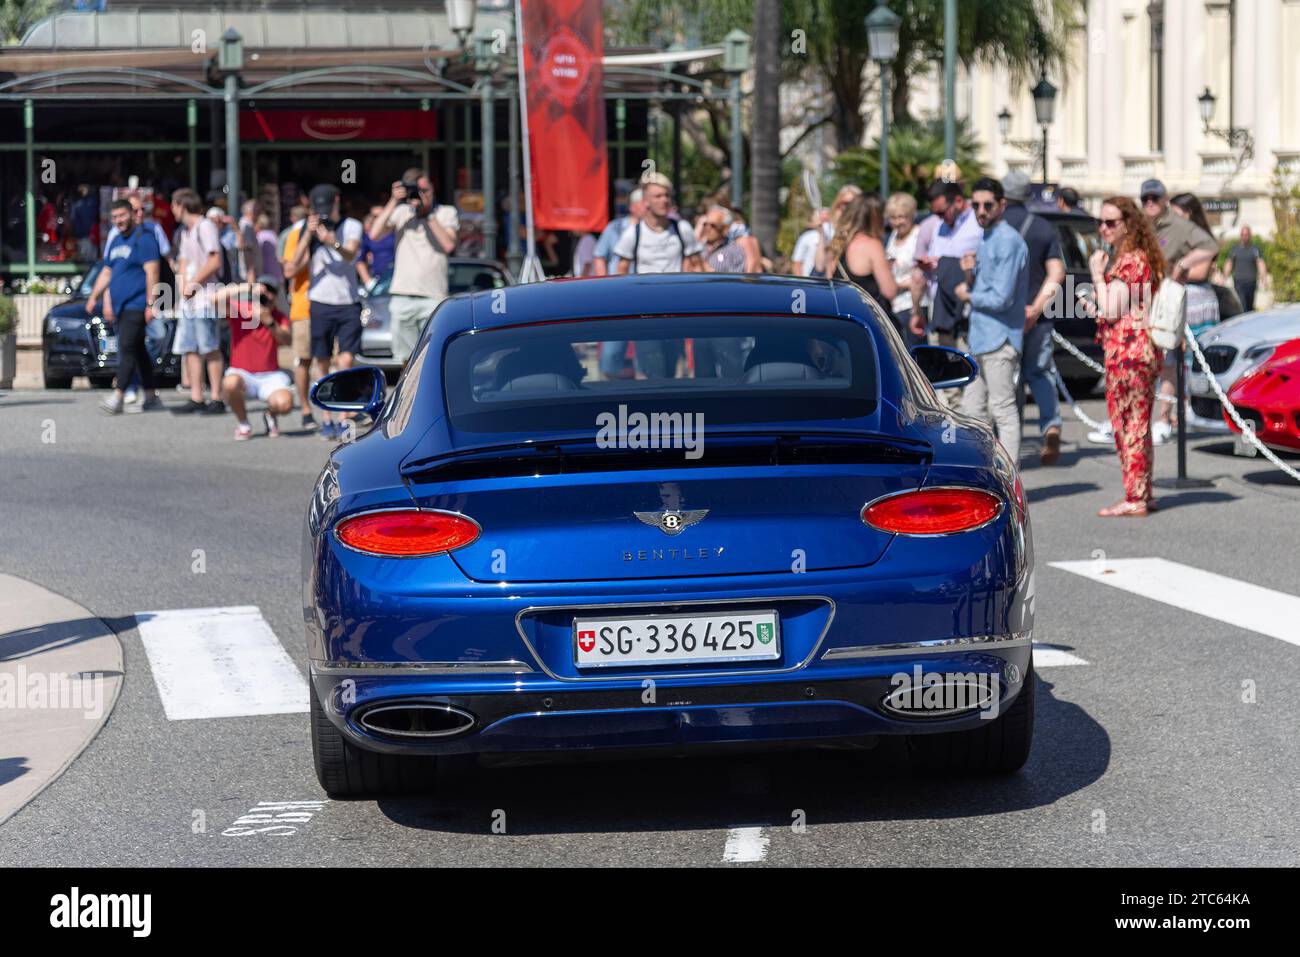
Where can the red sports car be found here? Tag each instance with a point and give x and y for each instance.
(1269, 398)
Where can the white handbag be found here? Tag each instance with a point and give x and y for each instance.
(1165, 318)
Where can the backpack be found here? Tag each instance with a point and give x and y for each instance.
(674, 224)
(1165, 318)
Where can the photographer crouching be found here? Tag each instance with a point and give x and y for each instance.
(426, 236)
(257, 329)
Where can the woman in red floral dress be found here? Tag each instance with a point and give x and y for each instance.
(1125, 287)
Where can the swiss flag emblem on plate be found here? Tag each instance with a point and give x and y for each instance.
(586, 640)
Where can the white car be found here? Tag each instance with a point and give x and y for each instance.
(1231, 350)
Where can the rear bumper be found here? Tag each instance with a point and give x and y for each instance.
(529, 712)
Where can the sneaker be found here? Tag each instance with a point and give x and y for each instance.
(188, 408)
(1161, 433)
(309, 423)
(272, 426)
(182, 388)
(147, 404)
(215, 407)
(130, 396)
(112, 404)
(1051, 447)
(1103, 436)
(243, 432)
(329, 432)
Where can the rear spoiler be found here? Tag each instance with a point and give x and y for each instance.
(578, 455)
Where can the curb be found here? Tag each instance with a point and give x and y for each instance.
(60, 675)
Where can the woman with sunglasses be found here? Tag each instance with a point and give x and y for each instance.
(1125, 281)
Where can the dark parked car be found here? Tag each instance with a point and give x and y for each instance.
(1079, 240)
(75, 343)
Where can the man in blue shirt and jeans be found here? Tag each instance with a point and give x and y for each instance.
(131, 263)
(997, 289)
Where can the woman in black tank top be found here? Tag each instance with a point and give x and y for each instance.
(859, 248)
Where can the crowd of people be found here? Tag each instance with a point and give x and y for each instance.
(983, 273)
(979, 272)
(242, 273)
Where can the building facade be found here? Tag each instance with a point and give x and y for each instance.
(1128, 109)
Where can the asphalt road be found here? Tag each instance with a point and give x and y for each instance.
(1145, 755)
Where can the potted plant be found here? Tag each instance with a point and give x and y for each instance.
(8, 342)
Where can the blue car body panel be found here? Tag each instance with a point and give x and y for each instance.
(856, 605)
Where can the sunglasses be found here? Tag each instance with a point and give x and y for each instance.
(1151, 198)
(1111, 223)
(988, 206)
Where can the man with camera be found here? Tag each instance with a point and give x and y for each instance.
(426, 237)
(334, 298)
(257, 329)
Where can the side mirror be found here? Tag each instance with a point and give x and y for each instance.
(945, 368)
(359, 389)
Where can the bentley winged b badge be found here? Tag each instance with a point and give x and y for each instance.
(672, 521)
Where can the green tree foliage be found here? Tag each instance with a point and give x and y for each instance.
(18, 16)
(1283, 254)
(915, 151)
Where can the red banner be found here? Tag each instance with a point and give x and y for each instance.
(566, 113)
(335, 126)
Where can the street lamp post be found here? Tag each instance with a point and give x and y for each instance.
(949, 80)
(735, 61)
(1239, 139)
(460, 17)
(882, 40)
(486, 64)
(1044, 94)
(230, 60)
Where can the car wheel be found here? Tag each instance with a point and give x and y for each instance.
(101, 382)
(346, 771)
(57, 381)
(998, 746)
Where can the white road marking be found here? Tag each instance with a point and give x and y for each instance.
(220, 663)
(277, 818)
(1238, 603)
(1054, 656)
(745, 844)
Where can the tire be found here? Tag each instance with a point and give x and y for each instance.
(57, 382)
(346, 771)
(998, 746)
(101, 382)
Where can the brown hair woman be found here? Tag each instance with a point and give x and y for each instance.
(1125, 283)
(858, 245)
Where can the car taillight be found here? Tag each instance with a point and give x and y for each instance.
(933, 511)
(407, 533)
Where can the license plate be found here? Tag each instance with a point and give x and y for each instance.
(676, 639)
(108, 344)
(1198, 384)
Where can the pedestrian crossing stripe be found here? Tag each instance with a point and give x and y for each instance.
(1234, 602)
(219, 663)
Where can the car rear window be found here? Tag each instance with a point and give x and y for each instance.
(560, 376)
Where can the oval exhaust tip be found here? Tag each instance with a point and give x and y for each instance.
(943, 699)
(416, 720)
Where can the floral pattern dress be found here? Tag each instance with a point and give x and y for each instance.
(1132, 371)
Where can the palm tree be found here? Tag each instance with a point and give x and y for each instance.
(765, 156)
(915, 151)
(19, 16)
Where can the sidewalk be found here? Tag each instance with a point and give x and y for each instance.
(60, 673)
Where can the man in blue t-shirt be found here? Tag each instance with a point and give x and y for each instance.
(131, 264)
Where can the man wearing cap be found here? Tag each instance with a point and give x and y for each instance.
(1046, 268)
(1187, 247)
(257, 329)
(329, 254)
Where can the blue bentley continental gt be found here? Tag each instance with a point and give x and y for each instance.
(666, 513)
